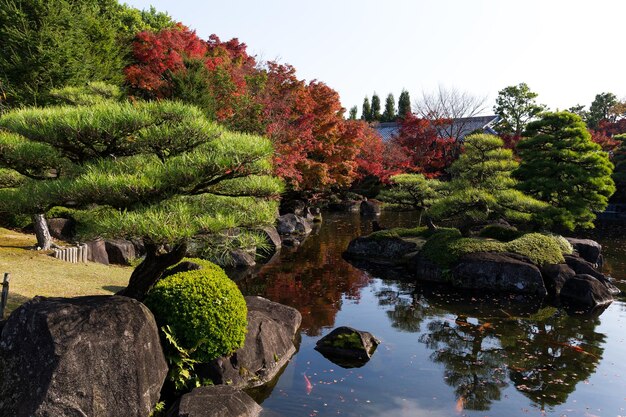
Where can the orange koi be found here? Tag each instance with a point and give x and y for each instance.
(309, 386)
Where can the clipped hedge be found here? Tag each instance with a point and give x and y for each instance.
(204, 309)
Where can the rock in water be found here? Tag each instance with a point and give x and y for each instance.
(347, 347)
(370, 208)
(584, 292)
(589, 250)
(97, 356)
(291, 224)
(268, 346)
(216, 401)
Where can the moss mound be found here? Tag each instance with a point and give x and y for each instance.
(446, 247)
(540, 249)
(399, 232)
(204, 309)
(501, 233)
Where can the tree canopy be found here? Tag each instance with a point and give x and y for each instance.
(158, 171)
(563, 167)
(516, 106)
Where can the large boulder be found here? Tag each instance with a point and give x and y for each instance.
(426, 270)
(216, 401)
(60, 228)
(383, 249)
(582, 267)
(589, 250)
(95, 356)
(369, 208)
(290, 224)
(271, 237)
(242, 258)
(347, 347)
(120, 251)
(584, 292)
(268, 346)
(97, 252)
(554, 277)
(500, 272)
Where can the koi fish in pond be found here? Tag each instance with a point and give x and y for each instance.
(309, 386)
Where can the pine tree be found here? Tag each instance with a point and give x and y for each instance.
(483, 188)
(600, 109)
(413, 191)
(155, 171)
(366, 114)
(404, 104)
(375, 114)
(389, 115)
(563, 167)
(516, 106)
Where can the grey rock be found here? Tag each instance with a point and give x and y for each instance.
(216, 401)
(242, 258)
(347, 347)
(380, 249)
(554, 276)
(272, 237)
(61, 228)
(289, 224)
(501, 272)
(86, 356)
(585, 292)
(120, 251)
(582, 267)
(97, 252)
(426, 270)
(369, 208)
(268, 346)
(588, 249)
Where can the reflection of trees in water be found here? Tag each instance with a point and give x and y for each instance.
(473, 361)
(543, 352)
(547, 358)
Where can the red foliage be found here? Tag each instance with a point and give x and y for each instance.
(510, 140)
(315, 147)
(427, 153)
(607, 143)
(158, 54)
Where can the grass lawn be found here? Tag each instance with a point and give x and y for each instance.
(36, 273)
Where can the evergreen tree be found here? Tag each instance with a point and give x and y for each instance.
(600, 109)
(482, 187)
(404, 104)
(516, 106)
(366, 114)
(389, 115)
(619, 174)
(353, 112)
(155, 171)
(375, 114)
(563, 167)
(413, 191)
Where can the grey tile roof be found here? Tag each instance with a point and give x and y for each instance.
(458, 128)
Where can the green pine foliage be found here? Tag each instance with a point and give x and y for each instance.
(482, 187)
(564, 168)
(389, 115)
(366, 112)
(92, 93)
(412, 191)
(204, 310)
(404, 104)
(375, 114)
(501, 233)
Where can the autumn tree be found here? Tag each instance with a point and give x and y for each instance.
(157, 171)
(516, 106)
(404, 104)
(619, 174)
(389, 115)
(563, 167)
(483, 188)
(427, 153)
(375, 115)
(452, 106)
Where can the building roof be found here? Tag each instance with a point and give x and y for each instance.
(459, 128)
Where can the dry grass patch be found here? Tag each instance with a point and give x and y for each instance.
(36, 273)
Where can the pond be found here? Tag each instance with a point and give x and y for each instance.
(442, 353)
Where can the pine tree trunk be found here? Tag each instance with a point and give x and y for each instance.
(429, 223)
(150, 270)
(44, 240)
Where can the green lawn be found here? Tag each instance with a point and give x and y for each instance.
(37, 273)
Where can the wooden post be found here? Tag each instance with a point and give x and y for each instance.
(5, 293)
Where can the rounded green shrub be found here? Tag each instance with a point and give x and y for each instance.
(566, 247)
(204, 309)
(540, 249)
(499, 232)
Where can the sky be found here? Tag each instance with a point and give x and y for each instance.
(567, 51)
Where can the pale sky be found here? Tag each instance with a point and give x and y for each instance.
(565, 50)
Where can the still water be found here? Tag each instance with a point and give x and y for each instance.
(442, 353)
